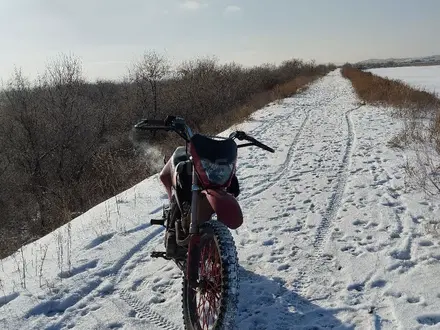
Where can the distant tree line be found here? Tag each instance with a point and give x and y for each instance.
(394, 64)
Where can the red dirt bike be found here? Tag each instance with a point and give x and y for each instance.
(198, 180)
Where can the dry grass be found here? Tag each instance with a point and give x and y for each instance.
(377, 90)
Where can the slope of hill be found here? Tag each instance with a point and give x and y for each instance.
(333, 238)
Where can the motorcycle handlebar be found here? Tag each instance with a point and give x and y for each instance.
(150, 124)
(170, 124)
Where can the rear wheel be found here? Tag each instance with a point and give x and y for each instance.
(210, 289)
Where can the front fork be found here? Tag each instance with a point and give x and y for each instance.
(196, 190)
(195, 196)
(194, 237)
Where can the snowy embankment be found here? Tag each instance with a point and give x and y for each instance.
(332, 236)
(420, 77)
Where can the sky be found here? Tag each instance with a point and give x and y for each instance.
(109, 35)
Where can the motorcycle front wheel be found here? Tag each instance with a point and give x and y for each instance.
(211, 284)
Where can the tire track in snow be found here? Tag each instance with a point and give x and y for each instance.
(268, 123)
(336, 198)
(110, 275)
(319, 258)
(282, 169)
(257, 131)
(292, 148)
(142, 309)
(145, 312)
(289, 103)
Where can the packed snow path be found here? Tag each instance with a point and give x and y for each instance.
(333, 238)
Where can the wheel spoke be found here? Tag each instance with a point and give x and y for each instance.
(209, 295)
(204, 292)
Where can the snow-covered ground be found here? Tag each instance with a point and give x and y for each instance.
(422, 77)
(333, 238)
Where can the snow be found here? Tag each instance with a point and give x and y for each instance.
(421, 77)
(333, 237)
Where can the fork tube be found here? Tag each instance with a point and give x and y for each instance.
(195, 188)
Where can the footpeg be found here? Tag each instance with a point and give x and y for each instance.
(158, 254)
(158, 222)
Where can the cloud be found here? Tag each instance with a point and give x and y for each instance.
(232, 9)
(192, 5)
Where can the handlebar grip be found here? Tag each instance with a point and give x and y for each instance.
(258, 143)
(153, 128)
(262, 145)
(147, 124)
(154, 122)
(265, 147)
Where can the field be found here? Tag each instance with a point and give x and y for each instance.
(422, 77)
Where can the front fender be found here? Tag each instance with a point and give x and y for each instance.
(226, 207)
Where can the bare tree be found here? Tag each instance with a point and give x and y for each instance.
(153, 68)
(24, 145)
(50, 135)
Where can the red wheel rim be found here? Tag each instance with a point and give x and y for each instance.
(209, 291)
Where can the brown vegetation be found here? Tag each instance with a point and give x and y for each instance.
(377, 90)
(66, 144)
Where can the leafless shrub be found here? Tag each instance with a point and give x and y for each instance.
(60, 250)
(425, 168)
(42, 253)
(21, 264)
(69, 247)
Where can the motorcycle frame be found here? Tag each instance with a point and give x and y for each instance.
(196, 191)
